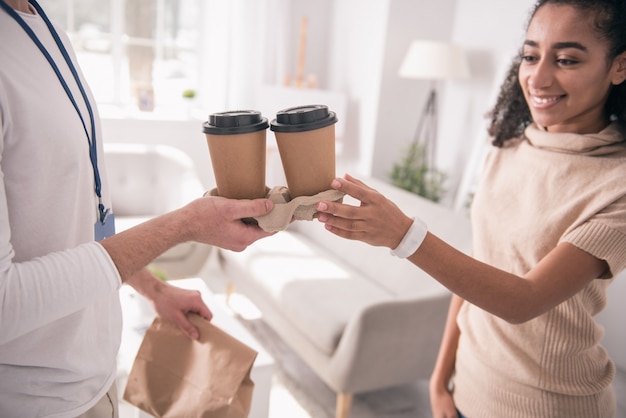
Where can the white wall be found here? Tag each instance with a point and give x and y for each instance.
(345, 50)
(231, 46)
(402, 100)
(356, 56)
(490, 31)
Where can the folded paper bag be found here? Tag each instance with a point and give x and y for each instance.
(174, 376)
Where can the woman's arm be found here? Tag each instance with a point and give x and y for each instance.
(561, 274)
(441, 400)
(378, 221)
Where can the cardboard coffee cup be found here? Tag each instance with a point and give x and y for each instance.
(305, 136)
(236, 141)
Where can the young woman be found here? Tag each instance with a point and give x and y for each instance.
(549, 224)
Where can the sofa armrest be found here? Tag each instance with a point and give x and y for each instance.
(390, 342)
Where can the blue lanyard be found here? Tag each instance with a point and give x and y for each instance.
(91, 139)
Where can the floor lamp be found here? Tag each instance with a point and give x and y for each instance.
(433, 61)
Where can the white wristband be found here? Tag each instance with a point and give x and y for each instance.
(412, 239)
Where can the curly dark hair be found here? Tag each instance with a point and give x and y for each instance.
(510, 115)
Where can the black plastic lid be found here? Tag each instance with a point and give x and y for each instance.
(303, 118)
(234, 122)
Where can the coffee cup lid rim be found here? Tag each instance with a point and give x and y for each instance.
(235, 122)
(303, 118)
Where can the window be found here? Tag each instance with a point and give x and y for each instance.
(136, 54)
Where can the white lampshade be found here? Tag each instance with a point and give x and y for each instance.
(433, 60)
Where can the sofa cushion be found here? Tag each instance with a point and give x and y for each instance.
(316, 291)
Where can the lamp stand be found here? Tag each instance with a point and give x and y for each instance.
(426, 132)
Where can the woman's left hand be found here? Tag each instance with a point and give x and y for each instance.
(377, 221)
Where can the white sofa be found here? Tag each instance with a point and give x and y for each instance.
(359, 317)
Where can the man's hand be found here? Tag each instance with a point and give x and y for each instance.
(210, 220)
(171, 302)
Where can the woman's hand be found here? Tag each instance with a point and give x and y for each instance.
(442, 404)
(377, 221)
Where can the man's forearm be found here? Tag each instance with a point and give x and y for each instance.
(145, 283)
(133, 249)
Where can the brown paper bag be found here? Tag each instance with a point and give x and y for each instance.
(174, 376)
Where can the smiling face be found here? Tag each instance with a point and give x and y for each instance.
(564, 73)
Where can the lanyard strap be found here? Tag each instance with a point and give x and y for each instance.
(91, 139)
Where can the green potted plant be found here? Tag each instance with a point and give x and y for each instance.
(189, 94)
(413, 173)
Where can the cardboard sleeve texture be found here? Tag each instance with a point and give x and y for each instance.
(286, 209)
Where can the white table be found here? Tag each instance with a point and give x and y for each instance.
(139, 314)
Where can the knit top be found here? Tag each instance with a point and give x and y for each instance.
(536, 192)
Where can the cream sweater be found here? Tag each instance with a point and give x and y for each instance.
(536, 192)
(60, 317)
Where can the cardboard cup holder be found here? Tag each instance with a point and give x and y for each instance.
(287, 209)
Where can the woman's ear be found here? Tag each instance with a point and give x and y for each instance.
(619, 75)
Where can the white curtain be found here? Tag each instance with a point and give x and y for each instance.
(278, 15)
(243, 46)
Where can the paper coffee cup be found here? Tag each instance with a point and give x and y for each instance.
(236, 141)
(305, 136)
